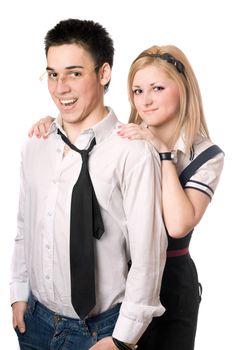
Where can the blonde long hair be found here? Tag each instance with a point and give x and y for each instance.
(191, 121)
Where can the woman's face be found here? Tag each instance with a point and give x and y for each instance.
(156, 97)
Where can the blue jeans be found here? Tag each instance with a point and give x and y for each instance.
(46, 330)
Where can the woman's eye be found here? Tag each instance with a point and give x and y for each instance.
(137, 91)
(158, 88)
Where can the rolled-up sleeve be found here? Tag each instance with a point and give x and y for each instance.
(147, 244)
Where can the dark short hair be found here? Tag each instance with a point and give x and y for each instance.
(93, 37)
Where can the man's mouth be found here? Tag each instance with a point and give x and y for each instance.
(69, 102)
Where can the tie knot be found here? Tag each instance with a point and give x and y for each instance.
(84, 154)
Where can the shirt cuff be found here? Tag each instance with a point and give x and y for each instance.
(19, 292)
(130, 330)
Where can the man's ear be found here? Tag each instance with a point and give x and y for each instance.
(105, 74)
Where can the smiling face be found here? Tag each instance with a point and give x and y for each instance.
(75, 87)
(156, 97)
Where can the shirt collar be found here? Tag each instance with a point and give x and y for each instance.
(105, 126)
(179, 145)
(101, 130)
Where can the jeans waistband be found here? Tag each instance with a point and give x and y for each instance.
(51, 316)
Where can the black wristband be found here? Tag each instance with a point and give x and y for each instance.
(122, 346)
(168, 156)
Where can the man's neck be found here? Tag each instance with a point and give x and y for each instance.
(73, 130)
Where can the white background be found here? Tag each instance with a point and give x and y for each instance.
(203, 30)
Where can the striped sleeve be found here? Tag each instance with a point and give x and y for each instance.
(207, 176)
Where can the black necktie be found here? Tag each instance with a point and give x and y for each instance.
(85, 222)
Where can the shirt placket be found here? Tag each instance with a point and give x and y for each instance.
(48, 241)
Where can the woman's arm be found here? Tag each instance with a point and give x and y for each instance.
(182, 209)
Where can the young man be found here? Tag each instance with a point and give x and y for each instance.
(49, 310)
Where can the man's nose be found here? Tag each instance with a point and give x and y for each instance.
(62, 85)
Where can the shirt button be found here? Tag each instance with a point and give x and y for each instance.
(50, 213)
(58, 150)
(54, 182)
(47, 246)
(94, 334)
(47, 277)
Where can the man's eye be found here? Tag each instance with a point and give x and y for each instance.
(75, 74)
(52, 76)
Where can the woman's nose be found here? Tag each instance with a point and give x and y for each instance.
(147, 100)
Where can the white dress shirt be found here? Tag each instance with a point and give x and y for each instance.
(126, 179)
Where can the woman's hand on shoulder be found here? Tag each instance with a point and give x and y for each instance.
(134, 132)
(40, 128)
(139, 132)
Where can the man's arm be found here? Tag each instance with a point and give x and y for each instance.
(147, 242)
(19, 286)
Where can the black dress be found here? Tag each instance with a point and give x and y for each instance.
(180, 295)
(180, 290)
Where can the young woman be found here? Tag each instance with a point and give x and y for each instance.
(166, 110)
